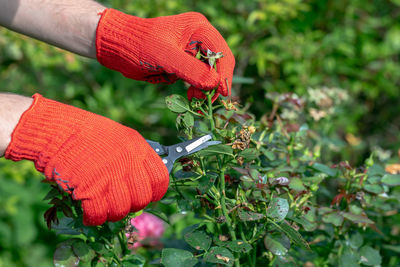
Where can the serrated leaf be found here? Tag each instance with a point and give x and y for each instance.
(65, 226)
(245, 215)
(373, 188)
(198, 240)
(370, 256)
(159, 214)
(249, 154)
(64, 255)
(375, 170)
(83, 251)
(177, 103)
(51, 194)
(334, 218)
(349, 259)
(216, 149)
(391, 179)
(324, 169)
(296, 184)
(356, 218)
(172, 257)
(278, 208)
(239, 246)
(293, 235)
(134, 260)
(188, 119)
(274, 246)
(356, 240)
(219, 255)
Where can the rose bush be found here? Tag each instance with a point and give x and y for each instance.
(261, 197)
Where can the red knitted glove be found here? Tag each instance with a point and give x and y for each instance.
(108, 166)
(163, 49)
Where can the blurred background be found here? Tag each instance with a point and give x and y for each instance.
(343, 56)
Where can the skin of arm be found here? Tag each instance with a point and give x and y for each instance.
(11, 109)
(67, 24)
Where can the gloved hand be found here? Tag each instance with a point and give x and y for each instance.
(108, 166)
(163, 49)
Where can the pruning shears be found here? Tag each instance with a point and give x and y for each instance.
(182, 149)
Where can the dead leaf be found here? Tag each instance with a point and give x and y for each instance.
(393, 168)
(220, 257)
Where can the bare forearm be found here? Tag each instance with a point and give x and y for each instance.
(68, 24)
(11, 109)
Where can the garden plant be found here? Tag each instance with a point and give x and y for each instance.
(260, 198)
(307, 172)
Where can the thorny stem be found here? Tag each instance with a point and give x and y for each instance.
(228, 220)
(210, 111)
(123, 243)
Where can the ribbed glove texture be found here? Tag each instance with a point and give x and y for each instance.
(163, 49)
(108, 166)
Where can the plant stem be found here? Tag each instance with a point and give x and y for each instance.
(123, 243)
(228, 221)
(210, 112)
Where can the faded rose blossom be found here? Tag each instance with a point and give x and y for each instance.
(149, 230)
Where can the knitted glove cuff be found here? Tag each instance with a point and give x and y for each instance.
(40, 132)
(118, 37)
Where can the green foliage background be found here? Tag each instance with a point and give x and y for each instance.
(279, 46)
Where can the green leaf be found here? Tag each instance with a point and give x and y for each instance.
(356, 218)
(324, 169)
(219, 255)
(334, 218)
(370, 256)
(245, 215)
(159, 214)
(249, 154)
(188, 119)
(375, 170)
(65, 227)
(349, 259)
(64, 255)
(239, 246)
(278, 208)
(177, 103)
(51, 194)
(296, 184)
(83, 251)
(373, 188)
(391, 179)
(206, 182)
(293, 234)
(198, 240)
(134, 260)
(356, 240)
(275, 246)
(216, 149)
(172, 257)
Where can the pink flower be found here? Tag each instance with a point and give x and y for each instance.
(149, 230)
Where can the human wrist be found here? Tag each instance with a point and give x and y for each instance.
(11, 109)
